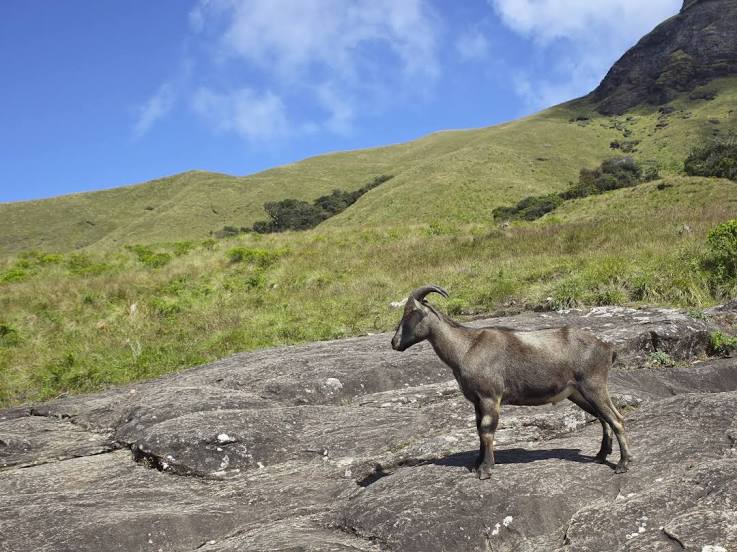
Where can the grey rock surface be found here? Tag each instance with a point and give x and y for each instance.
(690, 49)
(350, 446)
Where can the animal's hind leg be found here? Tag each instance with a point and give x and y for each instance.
(599, 399)
(489, 409)
(606, 437)
(482, 445)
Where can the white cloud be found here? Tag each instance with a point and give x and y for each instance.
(155, 109)
(341, 57)
(579, 40)
(546, 20)
(255, 116)
(339, 108)
(472, 46)
(293, 36)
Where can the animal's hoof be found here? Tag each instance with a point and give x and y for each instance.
(483, 472)
(620, 468)
(600, 459)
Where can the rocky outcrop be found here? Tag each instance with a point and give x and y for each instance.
(688, 50)
(350, 446)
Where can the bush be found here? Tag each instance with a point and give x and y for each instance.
(83, 265)
(148, 257)
(290, 214)
(14, 275)
(661, 358)
(721, 344)
(262, 258)
(530, 208)
(718, 158)
(165, 306)
(183, 247)
(615, 173)
(295, 214)
(228, 231)
(8, 335)
(41, 258)
(721, 259)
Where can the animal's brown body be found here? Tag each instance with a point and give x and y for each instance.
(495, 366)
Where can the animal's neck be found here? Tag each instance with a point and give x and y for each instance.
(451, 343)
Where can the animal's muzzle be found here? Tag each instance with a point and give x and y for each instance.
(397, 342)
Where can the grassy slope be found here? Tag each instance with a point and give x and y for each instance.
(472, 171)
(66, 322)
(457, 176)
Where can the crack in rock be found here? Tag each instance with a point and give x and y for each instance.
(21, 466)
(674, 538)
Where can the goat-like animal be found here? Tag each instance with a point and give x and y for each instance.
(495, 366)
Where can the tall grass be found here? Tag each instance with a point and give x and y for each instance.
(79, 322)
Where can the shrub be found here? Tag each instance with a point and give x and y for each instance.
(165, 307)
(661, 358)
(208, 244)
(227, 232)
(534, 208)
(183, 247)
(83, 265)
(14, 274)
(292, 214)
(721, 258)
(722, 344)
(8, 335)
(262, 258)
(615, 173)
(40, 258)
(148, 257)
(255, 280)
(295, 214)
(717, 158)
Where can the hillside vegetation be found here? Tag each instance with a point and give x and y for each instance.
(453, 177)
(172, 297)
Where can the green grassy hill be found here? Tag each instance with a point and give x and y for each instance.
(96, 313)
(453, 177)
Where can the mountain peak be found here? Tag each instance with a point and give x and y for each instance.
(688, 50)
(688, 3)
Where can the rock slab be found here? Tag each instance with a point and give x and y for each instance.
(350, 446)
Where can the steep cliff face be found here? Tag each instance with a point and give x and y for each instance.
(687, 50)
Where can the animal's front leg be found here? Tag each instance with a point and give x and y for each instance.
(489, 409)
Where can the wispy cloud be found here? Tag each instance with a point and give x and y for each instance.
(472, 46)
(334, 57)
(594, 34)
(339, 108)
(255, 116)
(155, 109)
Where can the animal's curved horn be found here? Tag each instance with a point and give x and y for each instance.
(420, 293)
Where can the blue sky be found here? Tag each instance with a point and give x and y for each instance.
(98, 94)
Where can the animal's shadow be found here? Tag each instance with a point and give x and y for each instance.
(466, 460)
(515, 456)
